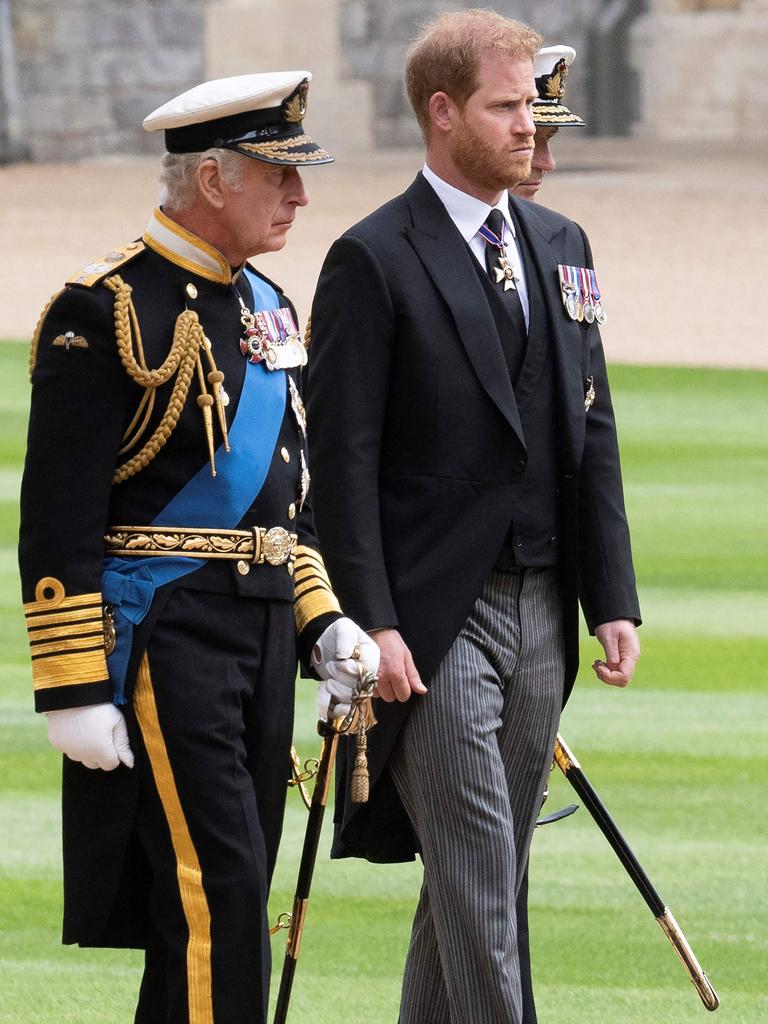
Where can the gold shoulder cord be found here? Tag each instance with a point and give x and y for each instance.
(182, 360)
(38, 331)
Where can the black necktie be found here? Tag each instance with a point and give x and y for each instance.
(510, 297)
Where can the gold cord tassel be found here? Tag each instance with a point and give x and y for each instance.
(364, 720)
(358, 789)
(216, 379)
(205, 402)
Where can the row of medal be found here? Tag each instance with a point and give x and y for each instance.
(272, 337)
(581, 295)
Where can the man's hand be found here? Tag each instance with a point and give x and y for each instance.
(398, 677)
(622, 650)
(341, 657)
(96, 735)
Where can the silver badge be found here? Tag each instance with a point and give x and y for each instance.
(298, 407)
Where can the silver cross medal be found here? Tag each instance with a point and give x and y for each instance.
(505, 271)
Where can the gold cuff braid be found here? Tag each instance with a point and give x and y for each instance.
(66, 636)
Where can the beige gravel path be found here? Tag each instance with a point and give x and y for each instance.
(679, 237)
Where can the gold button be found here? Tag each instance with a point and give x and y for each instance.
(292, 511)
(191, 291)
(132, 245)
(243, 567)
(285, 454)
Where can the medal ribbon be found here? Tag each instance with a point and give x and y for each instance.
(562, 273)
(493, 238)
(583, 274)
(573, 280)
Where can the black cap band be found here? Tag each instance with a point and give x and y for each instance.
(225, 131)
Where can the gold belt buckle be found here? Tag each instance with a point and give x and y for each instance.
(274, 545)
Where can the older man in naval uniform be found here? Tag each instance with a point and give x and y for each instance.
(168, 558)
(468, 497)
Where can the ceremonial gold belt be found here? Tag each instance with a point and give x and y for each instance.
(275, 545)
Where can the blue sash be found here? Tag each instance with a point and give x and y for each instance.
(220, 502)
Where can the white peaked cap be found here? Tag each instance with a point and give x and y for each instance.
(223, 97)
(259, 116)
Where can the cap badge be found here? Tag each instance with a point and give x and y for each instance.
(295, 106)
(554, 85)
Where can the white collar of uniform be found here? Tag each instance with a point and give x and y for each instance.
(467, 212)
(181, 247)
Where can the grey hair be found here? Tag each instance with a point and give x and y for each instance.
(178, 187)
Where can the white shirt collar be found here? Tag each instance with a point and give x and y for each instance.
(467, 212)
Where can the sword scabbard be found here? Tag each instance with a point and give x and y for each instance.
(572, 770)
(681, 946)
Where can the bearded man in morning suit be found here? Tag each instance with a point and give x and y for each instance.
(468, 496)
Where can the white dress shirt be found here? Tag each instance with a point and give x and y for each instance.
(469, 214)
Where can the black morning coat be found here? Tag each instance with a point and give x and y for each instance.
(416, 448)
(82, 402)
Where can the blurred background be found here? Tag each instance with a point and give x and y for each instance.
(670, 180)
(78, 76)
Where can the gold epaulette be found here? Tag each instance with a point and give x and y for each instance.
(314, 596)
(97, 271)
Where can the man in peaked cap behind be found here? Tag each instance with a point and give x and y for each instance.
(168, 558)
(550, 69)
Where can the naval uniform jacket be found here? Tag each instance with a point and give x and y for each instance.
(83, 402)
(416, 462)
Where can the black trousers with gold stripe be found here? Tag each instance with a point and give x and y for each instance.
(213, 707)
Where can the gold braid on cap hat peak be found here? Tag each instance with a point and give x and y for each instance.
(182, 360)
(280, 150)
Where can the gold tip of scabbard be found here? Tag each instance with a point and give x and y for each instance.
(701, 982)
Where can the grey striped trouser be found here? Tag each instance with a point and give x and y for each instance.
(470, 767)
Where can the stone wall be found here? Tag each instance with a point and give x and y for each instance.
(88, 71)
(702, 70)
(248, 36)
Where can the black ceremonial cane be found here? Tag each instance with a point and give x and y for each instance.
(571, 769)
(358, 720)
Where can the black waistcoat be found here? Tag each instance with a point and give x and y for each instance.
(532, 536)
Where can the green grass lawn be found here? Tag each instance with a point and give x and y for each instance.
(678, 758)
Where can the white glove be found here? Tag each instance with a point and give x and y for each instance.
(96, 735)
(341, 656)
